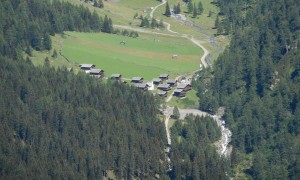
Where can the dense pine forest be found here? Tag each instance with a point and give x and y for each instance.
(193, 154)
(257, 80)
(58, 125)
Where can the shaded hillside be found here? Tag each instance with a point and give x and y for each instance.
(58, 125)
(257, 80)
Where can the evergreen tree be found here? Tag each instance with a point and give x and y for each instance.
(167, 11)
(200, 8)
(195, 11)
(47, 42)
(161, 24)
(176, 114)
(190, 7)
(154, 23)
(101, 4)
(217, 22)
(54, 55)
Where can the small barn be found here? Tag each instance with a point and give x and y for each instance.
(116, 76)
(142, 86)
(137, 80)
(172, 82)
(164, 87)
(179, 93)
(184, 86)
(87, 67)
(99, 73)
(162, 93)
(157, 81)
(164, 77)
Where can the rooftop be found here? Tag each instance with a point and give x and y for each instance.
(171, 81)
(116, 75)
(137, 78)
(95, 71)
(163, 86)
(87, 65)
(182, 85)
(164, 76)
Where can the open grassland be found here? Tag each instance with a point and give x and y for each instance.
(146, 56)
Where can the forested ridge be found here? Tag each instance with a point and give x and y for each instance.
(59, 125)
(257, 80)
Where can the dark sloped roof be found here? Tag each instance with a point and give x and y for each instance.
(164, 76)
(161, 92)
(141, 85)
(156, 80)
(182, 85)
(116, 75)
(136, 78)
(86, 65)
(95, 71)
(163, 86)
(171, 81)
(178, 90)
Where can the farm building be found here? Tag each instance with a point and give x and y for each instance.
(116, 76)
(87, 67)
(142, 86)
(164, 77)
(184, 86)
(162, 93)
(137, 79)
(99, 73)
(157, 81)
(172, 82)
(164, 87)
(179, 93)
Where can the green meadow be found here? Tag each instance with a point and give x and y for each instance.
(146, 56)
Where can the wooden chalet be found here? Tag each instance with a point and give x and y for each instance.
(157, 81)
(172, 82)
(164, 87)
(142, 86)
(116, 76)
(137, 80)
(87, 67)
(164, 77)
(184, 86)
(162, 93)
(179, 93)
(99, 73)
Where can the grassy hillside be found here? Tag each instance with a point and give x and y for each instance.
(147, 56)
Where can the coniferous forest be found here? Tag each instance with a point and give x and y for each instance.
(257, 80)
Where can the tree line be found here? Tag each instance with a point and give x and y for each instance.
(30, 23)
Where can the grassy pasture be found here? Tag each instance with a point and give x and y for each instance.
(147, 56)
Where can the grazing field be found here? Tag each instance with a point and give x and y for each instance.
(146, 56)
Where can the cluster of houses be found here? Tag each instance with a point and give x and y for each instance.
(98, 73)
(163, 83)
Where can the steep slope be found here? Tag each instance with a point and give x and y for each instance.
(58, 125)
(257, 80)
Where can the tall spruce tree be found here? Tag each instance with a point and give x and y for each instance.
(167, 11)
